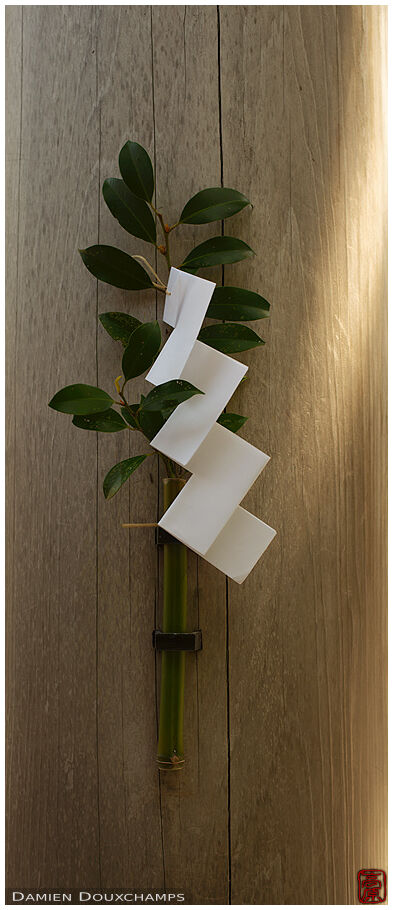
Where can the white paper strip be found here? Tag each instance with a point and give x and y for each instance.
(240, 544)
(224, 468)
(185, 307)
(217, 376)
(206, 515)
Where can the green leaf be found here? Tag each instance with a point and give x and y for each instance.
(120, 473)
(131, 212)
(137, 170)
(216, 251)
(119, 325)
(81, 399)
(106, 422)
(169, 395)
(213, 204)
(232, 422)
(152, 421)
(115, 267)
(229, 337)
(237, 304)
(141, 350)
(160, 403)
(128, 417)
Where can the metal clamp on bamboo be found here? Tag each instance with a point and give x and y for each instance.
(177, 641)
(163, 537)
(174, 636)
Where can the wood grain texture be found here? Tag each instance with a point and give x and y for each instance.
(185, 65)
(283, 797)
(131, 850)
(315, 606)
(52, 738)
(13, 67)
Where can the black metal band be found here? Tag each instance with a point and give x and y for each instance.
(162, 537)
(177, 641)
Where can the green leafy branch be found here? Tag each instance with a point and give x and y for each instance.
(130, 201)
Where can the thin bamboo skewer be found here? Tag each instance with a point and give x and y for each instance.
(141, 524)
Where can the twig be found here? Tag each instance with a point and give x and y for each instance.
(161, 286)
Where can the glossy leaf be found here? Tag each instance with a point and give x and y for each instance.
(141, 350)
(106, 422)
(130, 211)
(152, 421)
(213, 204)
(169, 395)
(120, 473)
(115, 267)
(119, 325)
(81, 399)
(232, 422)
(237, 304)
(229, 337)
(129, 417)
(137, 170)
(216, 251)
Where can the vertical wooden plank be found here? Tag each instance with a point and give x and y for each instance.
(13, 106)
(187, 138)
(256, 161)
(13, 66)
(131, 848)
(52, 684)
(361, 46)
(303, 89)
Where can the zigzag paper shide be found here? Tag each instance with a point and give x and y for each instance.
(206, 515)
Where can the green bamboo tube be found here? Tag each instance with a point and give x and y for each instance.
(170, 740)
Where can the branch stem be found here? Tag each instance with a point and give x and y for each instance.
(166, 231)
(166, 240)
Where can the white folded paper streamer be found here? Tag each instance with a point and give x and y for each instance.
(206, 515)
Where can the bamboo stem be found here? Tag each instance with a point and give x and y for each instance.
(170, 741)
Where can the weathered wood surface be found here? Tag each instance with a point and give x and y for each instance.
(283, 797)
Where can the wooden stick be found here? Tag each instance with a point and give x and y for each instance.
(143, 524)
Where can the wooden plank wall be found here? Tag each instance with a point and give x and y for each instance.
(283, 797)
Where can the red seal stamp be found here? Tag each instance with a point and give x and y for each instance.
(372, 886)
